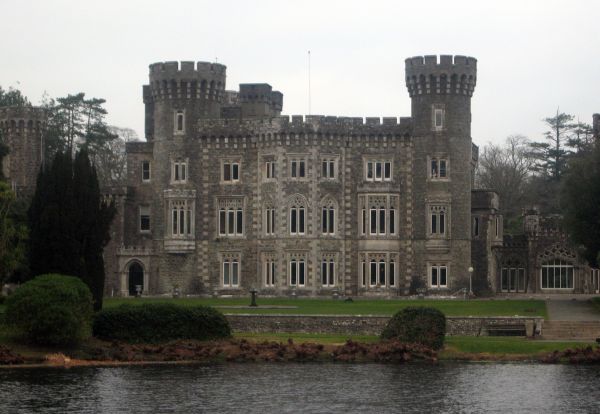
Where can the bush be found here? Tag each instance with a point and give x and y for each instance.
(425, 326)
(51, 310)
(160, 322)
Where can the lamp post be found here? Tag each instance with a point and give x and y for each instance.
(253, 292)
(470, 281)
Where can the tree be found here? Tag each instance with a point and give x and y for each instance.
(552, 155)
(507, 169)
(13, 235)
(13, 97)
(580, 201)
(69, 222)
(111, 160)
(76, 123)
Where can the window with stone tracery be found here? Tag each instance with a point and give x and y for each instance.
(378, 270)
(328, 216)
(297, 269)
(231, 216)
(297, 215)
(181, 218)
(230, 269)
(378, 214)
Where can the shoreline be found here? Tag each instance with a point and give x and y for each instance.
(115, 354)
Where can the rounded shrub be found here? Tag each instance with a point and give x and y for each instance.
(51, 310)
(160, 322)
(420, 325)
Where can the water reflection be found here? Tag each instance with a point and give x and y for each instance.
(307, 388)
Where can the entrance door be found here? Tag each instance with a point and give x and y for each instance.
(513, 279)
(136, 278)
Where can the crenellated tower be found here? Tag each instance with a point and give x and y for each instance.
(22, 129)
(441, 93)
(441, 90)
(179, 94)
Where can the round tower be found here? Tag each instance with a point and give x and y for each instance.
(179, 94)
(22, 129)
(441, 93)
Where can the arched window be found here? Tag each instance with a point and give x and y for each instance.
(328, 217)
(297, 215)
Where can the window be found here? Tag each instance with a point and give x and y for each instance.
(475, 226)
(557, 274)
(269, 221)
(328, 168)
(181, 218)
(179, 122)
(437, 223)
(298, 168)
(231, 217)
(438, 169)
(269, 272)
(438, 115)
(231, 171)
(438, 276)
(179, 171)
(231, 272)
(512, 279)
(270, 169)
(297, 215)
(297, 272)
(328, 217)
(378, 170)
(144, 219)
(378, 214)
(145, 170)
(378, 270)
(328, 272)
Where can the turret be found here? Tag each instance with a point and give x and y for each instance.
(441, 93)
(179, 94)
(22, 129)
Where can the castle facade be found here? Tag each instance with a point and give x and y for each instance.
(228, 195)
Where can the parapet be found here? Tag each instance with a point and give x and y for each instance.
(455, 75)
(16, 118)
(309, 123)
(202, 80)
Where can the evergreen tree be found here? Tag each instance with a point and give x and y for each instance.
(581, 201)
(70, 223)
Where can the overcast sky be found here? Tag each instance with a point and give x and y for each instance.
(533, 56)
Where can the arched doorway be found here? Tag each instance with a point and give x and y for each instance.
(136, 277)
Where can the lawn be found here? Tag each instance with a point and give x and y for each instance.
(303, 306)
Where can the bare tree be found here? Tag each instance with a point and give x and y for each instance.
(110, 160)
(506, 169)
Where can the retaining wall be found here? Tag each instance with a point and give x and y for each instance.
(369, 324)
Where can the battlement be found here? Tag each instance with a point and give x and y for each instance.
(313, 123)
(15, 118)
(186, 69)
(187, 80)
(455, 75)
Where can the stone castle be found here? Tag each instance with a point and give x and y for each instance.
(227, 195)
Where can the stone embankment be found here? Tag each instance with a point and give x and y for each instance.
(373, 325)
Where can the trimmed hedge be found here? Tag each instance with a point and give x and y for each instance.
(420, 325)
(160, 322)
(51, 310)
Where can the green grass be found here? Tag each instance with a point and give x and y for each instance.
(505, 345)
(596, 302)
(358, 307)
(304, 337)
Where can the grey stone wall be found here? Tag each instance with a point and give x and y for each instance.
(368, 325)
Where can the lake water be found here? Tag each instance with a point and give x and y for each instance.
(305, 388)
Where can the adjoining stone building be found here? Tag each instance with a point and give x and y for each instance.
(227, 194)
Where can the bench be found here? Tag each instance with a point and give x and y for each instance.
(506, 330)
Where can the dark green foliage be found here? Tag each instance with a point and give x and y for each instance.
(13, 97)
(159, 322)
(425, 326)
(69, 223)
(581, 202)
(51, 310)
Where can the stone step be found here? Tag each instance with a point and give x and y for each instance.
(589, 330)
